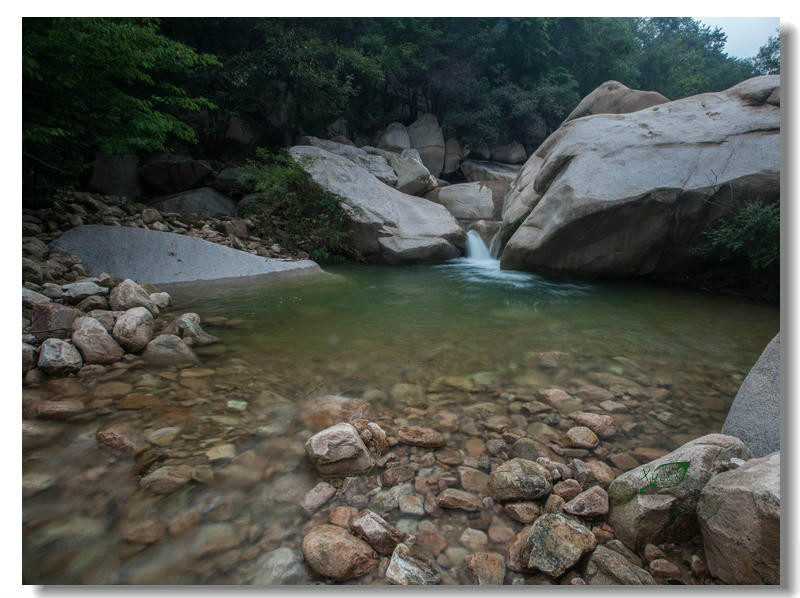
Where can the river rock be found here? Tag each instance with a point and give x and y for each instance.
(410, 567)
(376, 532)
(555, 544)
(389, 226)
(419, 436)
(451, 498)
(167, 479)
(169, 173)
(333, 552)
(411, 176)
(567, 489)
(755, 415)
(524, 512)
(473, 480)
(31, 298)
(394, 138)
(612, 97)
(94, 342)
(121, 440)
(281, 566)
(188, 327)
(604, 426)
(510, 153)
(659, 515)
(168, 349)
(58, 410)
(454, 153)
(739, 513)
(426, 137)
(398, 473)
(58, 357)
(519, 479)
(134, 329)
(643, 211)
(606, 567)
(52, 320)
(162, 300)
(478, 170)
(318, 496)
(581, 437)
(488, 568)
(590, 503)
(128, 294)
(467, 201)
(338, 451)
(75, 292)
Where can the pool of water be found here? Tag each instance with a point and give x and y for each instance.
(461, 347)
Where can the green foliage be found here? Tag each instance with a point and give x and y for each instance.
(768, 59)
(102, 84)
(292, 209)
(752, 235)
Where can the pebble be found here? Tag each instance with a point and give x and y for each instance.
(317, 496)
(419, 436)
(411, 504)
(524, 512)
(409, 566)
(473, 539)
(581, 437)
(220, 452)
(567, 489)
(458, 499)
(166, 479)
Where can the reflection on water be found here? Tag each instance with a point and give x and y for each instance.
(462, 347)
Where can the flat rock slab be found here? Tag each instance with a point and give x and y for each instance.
(163, 258)
(755, 415)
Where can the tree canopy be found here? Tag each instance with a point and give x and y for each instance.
(132, 85)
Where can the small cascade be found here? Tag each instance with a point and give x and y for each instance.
(476, 248)
(494, 244)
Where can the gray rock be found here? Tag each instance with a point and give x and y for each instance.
(519, 479)
(94, 342)
(170, 172)
(394, 138)
(676, 169)
(465, 200)
(58, 357)
(206, 202)
(739, 513)
(606, 567)
(75, 292)
(412, 177)
(28, 357)
(479, 170)
(755, 415)
(510, 153)
(377, 532)
(188, 327)
(454, 153)
(333, 552)
(116, 175)
(168, 349)
(426, 137)
(31, 298)
(612, 97)
(555, 544)
(159, 258)
(134, 329)
(279, 567)
(667, 514)
(375, 164)
(389, 226)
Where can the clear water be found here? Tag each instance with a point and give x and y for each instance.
(674, 358)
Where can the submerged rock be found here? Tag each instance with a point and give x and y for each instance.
(168, 349)
(418, 436)
(333, 552)
(338, 451)
(94, 342)
(377, 532)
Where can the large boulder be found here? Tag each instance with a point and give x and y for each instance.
(134, 329)
(481, 170)
(612, 97)
(645, 510)
(375, 163)
(632, 194)
(128, 294)
(158, 257)
(740, 518)
(454, 153)
(412, 177)
(206, 202)
(388, 226)
(468, 201)
(170, 173)
(116, 175)
(510, 153)
(426, 136)
(755, 415)
(394, 138)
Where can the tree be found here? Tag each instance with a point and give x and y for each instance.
(768, 59)
(101, 84)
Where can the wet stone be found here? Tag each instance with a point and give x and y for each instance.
(419, 436)
(58, 410)
(335, 553)
(166, 479)
(34, 483)
(138, 401)
(121, 440)
(488, 568)
(411, 505)
(662, 569)
(519, 479)
(581, 437)
(162, 436)
(143, 532)
(221, 452)
(376, 532)
(591, 503)
(524, 512)
(567, 489)
(397, 474)
(553, 504)
(604, 426)
(343, 516)
(555, 544)
(317, 496)
(409, 566)
(473, 539)
(450, 456)
(452, 498)
(473, 480)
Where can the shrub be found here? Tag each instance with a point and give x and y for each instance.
(292, 209)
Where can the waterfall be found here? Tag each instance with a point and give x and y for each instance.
(494, 244)
(476, 248)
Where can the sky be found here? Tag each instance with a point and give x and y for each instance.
(745, 34)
